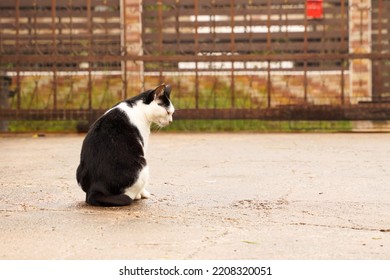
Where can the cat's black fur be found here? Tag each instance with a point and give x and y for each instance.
(112, 154)
(148, 96)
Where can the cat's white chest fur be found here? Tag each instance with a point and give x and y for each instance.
(137, 116)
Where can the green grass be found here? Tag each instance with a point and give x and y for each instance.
(258, 126)
(200, 126)
(43, 126)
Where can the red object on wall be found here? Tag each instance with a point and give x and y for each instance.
(314, 8)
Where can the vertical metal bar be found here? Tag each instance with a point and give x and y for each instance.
(343, 46)
(286, 24)
(54, 45)
(35, 28)
(124, 47)
(250, 33)
(160, 35)
(232, 49)
(269, 26)
(90, 33)
(232, 87)
(214, 25)
(178, 47)
(196, 12)
(213, 12)
(379, 75)
(305, 46)
(106, 32)
(232, 35)
(269, 84)
(287, 39)
(269, 100)
(69, 9)
(177, 25)
(18, 82)
(142, 19)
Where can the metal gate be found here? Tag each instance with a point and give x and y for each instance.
(69, 59)
(381, 45)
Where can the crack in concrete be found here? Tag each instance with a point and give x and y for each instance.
(339, 227)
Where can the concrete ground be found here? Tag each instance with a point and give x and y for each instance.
(214, 196)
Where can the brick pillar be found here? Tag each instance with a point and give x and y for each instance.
(360, 43)
(132, 45)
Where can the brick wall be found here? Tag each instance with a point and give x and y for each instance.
(360, 43)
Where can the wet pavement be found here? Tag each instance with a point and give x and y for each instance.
(214, 196)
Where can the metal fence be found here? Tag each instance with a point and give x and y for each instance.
(380, 46)
(73, 59)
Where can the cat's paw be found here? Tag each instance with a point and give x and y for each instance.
(138, 196)
(145, 194)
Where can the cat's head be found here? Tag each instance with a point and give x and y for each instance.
(160, 108)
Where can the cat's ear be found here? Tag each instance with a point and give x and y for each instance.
(159, 91)
(168, 89)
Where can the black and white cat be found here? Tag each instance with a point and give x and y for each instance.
(112, 160)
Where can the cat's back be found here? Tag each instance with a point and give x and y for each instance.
(112, 152)
(112, 143)
(114, 130)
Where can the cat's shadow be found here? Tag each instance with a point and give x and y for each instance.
(134, 206)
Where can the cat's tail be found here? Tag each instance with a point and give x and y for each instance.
(99, 199)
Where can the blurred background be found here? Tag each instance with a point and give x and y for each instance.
(236, 65)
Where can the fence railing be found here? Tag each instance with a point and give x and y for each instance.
(225, 59)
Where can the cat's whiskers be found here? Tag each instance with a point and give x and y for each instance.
(156, 127)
